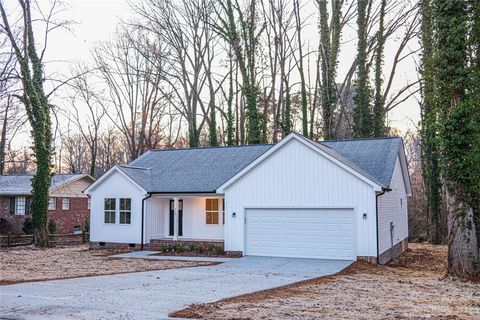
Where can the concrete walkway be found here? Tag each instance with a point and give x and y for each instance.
(154, 294)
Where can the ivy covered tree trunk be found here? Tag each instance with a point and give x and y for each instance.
(244, 42)
(379, 104)
(430, 154)
(330, 34)
(38, 113)
(230, 119)
(457, 106)
(362, 115)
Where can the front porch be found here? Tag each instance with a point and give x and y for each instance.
(184, 218)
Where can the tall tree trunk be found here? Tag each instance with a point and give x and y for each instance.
(3, 138)
(38, 113)
(362, 113)
(303, 84)
(379, 104)
(458, 113)
(428, 132)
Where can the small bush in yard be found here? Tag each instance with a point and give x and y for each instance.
(219, 250)
(178, 247)
(28, 226)
(52, 227)
(201, 248)
(5, 226)
(86, 225)
(165, 247)
(211, 247)
(193, 247)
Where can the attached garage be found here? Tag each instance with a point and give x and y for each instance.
(326, 233)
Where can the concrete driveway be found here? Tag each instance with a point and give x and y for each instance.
(154, 294)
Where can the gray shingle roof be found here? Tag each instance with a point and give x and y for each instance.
(190, 170)
(22, 184)
(205, 169)
(374, 156)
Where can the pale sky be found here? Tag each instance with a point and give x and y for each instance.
(96, 20)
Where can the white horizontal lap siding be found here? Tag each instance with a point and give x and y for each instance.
(116, 186)
(391, 209)
(298, 177)
(73, 189)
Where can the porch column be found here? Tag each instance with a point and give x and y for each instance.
(175, 218)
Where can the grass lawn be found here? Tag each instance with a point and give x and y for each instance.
(412, 287)
(24, 264)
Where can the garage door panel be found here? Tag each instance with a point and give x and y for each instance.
(307, 233)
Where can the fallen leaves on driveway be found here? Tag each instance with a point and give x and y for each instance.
(24, 264)
(412, 287)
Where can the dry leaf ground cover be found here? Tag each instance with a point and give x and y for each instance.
(412, 287)
(24, 264)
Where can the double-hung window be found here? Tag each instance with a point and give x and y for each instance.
(66, 204)
(20, 206)
(52, 203)
(211, 210)
(125, 210)
(109, 210)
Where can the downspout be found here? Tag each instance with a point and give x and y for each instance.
(143, 217)
(376, 217)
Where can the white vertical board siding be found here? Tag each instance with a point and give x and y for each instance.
(155, 211)
(297, 177)
(392, 207)
(194, 218)
(116, 186)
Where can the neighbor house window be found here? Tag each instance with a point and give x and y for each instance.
(89, 203)
(65, 203)
(20, 206)
(211, 209)
(52, 203)
(109, 209)
(125, 210)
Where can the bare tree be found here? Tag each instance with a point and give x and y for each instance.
(84, 97)
(132, 76)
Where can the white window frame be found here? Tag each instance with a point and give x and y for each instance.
(124, 211)
(114, 211)
(52, 203)
(19, 205)
(66, 204)
(217, 212)
(89, 203)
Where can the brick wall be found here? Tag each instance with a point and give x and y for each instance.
(66, 220)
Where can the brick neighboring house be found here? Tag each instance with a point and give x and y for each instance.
(68, 206)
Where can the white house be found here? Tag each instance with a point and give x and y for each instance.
(298, 198)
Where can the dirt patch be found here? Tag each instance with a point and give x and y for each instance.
(28, 264)
(411, 287)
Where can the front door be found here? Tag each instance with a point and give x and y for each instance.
(172, 217)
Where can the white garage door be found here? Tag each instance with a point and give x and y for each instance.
(300, 233)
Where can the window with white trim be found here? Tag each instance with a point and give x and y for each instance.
(125, 210)
(211, 211)
(20, 206)
(52, 203)
(109, 210)
(66, 204)
(89, 203)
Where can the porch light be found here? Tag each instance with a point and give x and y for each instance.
(234, 214)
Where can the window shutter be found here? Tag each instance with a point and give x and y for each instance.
(27, 205)
(12, 205)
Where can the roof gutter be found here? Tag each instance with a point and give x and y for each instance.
(143, 217)
(384, 190)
